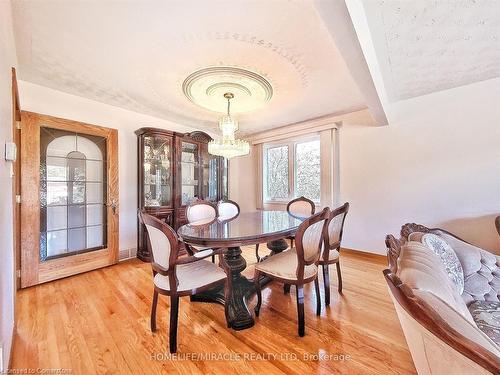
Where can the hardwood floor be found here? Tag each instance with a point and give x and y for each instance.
(98, 322)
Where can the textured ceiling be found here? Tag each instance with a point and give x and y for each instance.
(136, 55)
(425, 46)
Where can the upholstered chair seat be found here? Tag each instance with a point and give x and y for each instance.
(176, 276)
(284, 265)
(192, 276)
(298, 265)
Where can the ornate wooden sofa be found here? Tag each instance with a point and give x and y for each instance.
(450, 323)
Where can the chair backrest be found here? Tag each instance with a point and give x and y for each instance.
(301, 206)
(163, 241)
(201, 211)
(335, 228)
(308, 240)
(228, 209)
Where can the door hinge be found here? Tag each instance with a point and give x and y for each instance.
(18, 199)
(18, 125)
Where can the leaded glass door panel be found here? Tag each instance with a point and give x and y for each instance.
(69, 194)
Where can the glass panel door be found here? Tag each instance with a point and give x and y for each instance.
(73, 193)
(190, 172)
(157, 171)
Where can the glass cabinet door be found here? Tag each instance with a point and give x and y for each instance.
(210, 176)
(157, 179)
(190, 169)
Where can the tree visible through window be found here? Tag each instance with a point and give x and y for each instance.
(307, 170)
(303, 157)
(277, 172)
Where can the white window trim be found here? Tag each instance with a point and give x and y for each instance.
(291, 143)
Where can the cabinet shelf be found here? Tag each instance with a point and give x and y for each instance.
(184, 160)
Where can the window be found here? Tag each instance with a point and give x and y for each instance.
(292, 169)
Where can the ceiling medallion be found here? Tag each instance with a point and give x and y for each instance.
(206, 88)
(228, 146)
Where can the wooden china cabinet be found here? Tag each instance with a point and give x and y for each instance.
(173, 170)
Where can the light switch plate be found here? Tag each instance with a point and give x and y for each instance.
(10, 151)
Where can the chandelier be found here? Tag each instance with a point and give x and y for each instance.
(228, 146)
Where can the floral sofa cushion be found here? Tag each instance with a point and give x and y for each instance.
(486, 315)
(448, 258)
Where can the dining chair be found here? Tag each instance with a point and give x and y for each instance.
(301, 207)
(228, 209)
(331, 247)
(173, 276)
(297, 266)
(201, 212)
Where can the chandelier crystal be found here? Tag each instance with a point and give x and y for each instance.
(228, 146)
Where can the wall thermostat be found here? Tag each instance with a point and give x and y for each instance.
(10, 151)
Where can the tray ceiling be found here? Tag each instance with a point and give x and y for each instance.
(136, 55)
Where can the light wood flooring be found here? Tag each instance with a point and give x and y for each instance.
(98, 323)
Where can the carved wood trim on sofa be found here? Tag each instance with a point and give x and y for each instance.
(409, 228)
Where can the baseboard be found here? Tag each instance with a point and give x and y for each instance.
(126, 254)
(365, 254)
(11, 351)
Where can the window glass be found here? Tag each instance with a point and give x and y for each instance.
(277, 173)
(307, 170)
(291, 170)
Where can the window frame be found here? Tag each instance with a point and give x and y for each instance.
(292, 172)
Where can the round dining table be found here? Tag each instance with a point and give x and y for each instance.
(248, 228)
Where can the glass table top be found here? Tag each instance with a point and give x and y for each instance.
(246, 227)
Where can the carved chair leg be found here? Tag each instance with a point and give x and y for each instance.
(153, 311)
(286, 288)
(258, 292)
(174, 313)
(300, 309)
(326, 283)
(318, 296)
(339, 274)
(257, 253)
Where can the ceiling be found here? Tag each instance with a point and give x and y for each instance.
(136, 55)
(426, 45)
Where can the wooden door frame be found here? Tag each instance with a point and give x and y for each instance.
(32, 270)
(16, 183)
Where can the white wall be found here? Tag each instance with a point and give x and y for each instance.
(242, 181)
(7, 287)
(437, 163)
(43, 100)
